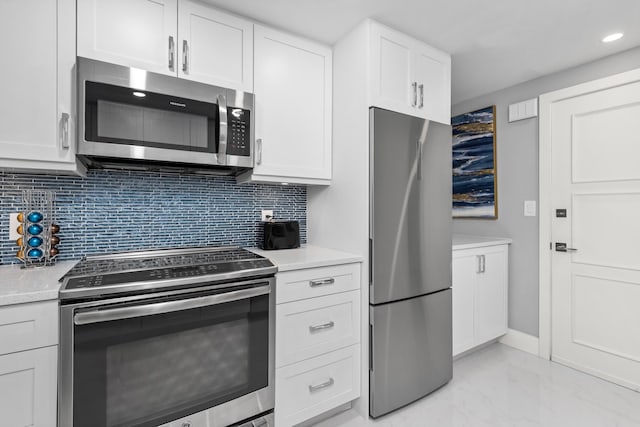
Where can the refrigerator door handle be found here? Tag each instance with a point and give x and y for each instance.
(419, 160)
(370, 347)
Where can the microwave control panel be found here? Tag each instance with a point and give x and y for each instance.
(239, 132)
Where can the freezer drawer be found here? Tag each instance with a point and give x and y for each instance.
(410, 353)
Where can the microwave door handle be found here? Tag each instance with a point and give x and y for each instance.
(120, 313)
(222, 142)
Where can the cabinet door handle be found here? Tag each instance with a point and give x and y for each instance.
(64, 130)
(258, 151)
(481, 266)
(172, 53)
(329, 281)
(322, 326)
(320, 386)
(414, 87)
(421, 95)
(479, 263)
(185, 56)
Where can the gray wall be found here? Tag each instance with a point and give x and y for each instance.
(517, 163)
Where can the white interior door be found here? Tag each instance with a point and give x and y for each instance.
(595, 292)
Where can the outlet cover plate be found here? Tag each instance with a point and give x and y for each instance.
(267, 214)
(13, 226)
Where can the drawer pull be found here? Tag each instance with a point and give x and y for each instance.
(325, 384)
(327, 325)
(329, 281)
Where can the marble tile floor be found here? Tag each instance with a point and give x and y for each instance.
(503, 387)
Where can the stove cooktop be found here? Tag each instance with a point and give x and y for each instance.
(129, 271)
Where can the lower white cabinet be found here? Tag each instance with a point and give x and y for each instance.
(480, 281)
(28, 375)
(316, 385)
(317, 341)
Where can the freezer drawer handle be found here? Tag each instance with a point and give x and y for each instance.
(321, 282)
(325, 384)
(330, 324)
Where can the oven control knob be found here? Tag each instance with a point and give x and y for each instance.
(187, 424)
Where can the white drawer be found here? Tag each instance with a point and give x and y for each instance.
(28, 326)
(314, 386)
(315, 326)
(312, 282)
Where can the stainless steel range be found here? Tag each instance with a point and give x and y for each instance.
(162, 337)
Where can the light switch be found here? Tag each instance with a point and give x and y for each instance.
(529, 208)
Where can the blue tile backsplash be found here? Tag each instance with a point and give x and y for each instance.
(112, 211)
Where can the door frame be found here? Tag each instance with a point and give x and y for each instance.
(546, 102)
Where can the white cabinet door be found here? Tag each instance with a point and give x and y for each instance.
(432, 73)
(214, 47)
(491, 294)
(133, 33)
(409, 76)
(392, 70)
(463, 286)
(38, 122)
(293, 109)
(480, 282)
(28, 387)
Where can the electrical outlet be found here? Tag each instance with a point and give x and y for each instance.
(267, 214)
(13, 226)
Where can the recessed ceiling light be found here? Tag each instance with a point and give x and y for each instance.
(139, 94)
(612, 37)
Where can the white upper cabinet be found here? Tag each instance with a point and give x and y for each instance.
(174, 37)
(292, 84)
(214, 47)
(135, 33)
(409, 76)
(38, 122)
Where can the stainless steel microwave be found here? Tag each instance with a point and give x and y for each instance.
(132, 118)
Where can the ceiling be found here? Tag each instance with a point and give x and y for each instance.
(494, 43)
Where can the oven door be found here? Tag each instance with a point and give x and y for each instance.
(145, 361)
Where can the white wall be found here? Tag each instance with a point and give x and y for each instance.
(517, 163)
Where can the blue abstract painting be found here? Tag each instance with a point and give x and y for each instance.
(474, 164)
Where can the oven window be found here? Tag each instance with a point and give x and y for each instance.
(150, 370)
(122, 115)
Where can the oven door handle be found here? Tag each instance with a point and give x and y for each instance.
(108, 314)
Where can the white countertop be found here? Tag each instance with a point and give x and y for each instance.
(307, 256)
(21, 285)
(463, 241)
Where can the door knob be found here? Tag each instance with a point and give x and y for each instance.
(562, 247)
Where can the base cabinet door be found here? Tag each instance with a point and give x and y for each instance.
(292, 83)
(38, 122)
(491, 295)
(133, 33)
(28, 387)
(463, 277)
(480, 283)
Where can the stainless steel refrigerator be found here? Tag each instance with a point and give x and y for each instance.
(410, 259)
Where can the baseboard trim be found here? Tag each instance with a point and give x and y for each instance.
(521, 341)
